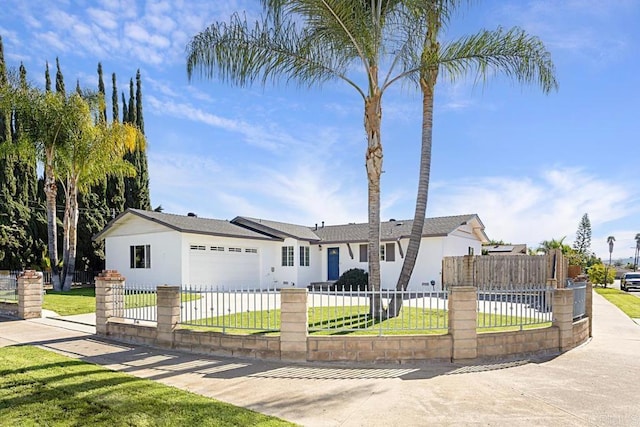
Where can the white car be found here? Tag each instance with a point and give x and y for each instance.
(630, 281)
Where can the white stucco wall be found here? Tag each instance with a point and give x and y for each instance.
(165, 257)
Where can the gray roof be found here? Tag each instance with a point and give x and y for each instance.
(254, 228)
(277, 229)
(189, 224)
(393, 230)
(505, 249)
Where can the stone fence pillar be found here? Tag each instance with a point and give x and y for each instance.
(30, 294)
(109, 298)
(463, 319)
(563, 316)
(294, 320)
(168, 315)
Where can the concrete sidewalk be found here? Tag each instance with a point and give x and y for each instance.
(596, 384)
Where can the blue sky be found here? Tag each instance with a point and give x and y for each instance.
(530, 165)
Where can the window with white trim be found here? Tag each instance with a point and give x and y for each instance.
(217, 248)
(251, 250)
(198, 248)
(140, 256)
(388, 252)
(235, 250)
(287, 256)
(304, 256)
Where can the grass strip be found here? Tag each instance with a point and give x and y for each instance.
(626, 302)
(355, 320)
(83, 300)
(42, 388)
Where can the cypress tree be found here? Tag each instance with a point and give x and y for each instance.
(114, 100)
(59, 79)
(115, 184)
(47, 78)
(125, 114)
(132, 106)
(139, 118)
(11, 238)
(102, 92)
(78, 88)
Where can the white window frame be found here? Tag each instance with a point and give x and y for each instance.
(304, 256)
(287, 256)
(139, 262)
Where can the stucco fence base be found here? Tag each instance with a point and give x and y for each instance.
(364, 349)
(8, 309)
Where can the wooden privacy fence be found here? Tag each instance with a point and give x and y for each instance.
(505, 270)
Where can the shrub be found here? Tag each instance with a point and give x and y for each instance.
(597, 274)
(352, 280)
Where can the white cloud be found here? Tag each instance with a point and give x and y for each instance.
(532, 209)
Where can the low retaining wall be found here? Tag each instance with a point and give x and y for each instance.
(518, 343)
(9, 309)
(366, 349)
(396, 348)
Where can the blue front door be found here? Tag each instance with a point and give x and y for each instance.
(333, 271)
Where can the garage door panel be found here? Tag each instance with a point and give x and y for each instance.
(229, 270)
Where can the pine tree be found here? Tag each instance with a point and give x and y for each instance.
(582, 244)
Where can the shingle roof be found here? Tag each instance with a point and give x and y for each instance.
(190, 224)
(276, 229)
(392, 230)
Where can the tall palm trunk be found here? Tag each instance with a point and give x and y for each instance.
(427, 85)
(372, 118)
(71, 234)
(51, 190)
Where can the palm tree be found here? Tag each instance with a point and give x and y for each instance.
(548, 245)
(635, 260)
(337, 39)
(92, 152)
(610, 241)
(513, 53)
(47, 119)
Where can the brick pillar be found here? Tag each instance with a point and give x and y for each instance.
(30, 294)
(168, 307)
(463, 319)
(109, 298)
(563, 316)
(294, 320)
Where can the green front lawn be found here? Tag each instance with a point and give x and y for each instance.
(83, 300)
(338, 320)
(76, 301)
(629, 304)
(41, 388)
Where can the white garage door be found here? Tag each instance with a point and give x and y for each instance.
(225, 267)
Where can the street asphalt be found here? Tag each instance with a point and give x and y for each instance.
(596, 384)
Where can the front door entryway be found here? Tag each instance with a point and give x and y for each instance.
(333, 270)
